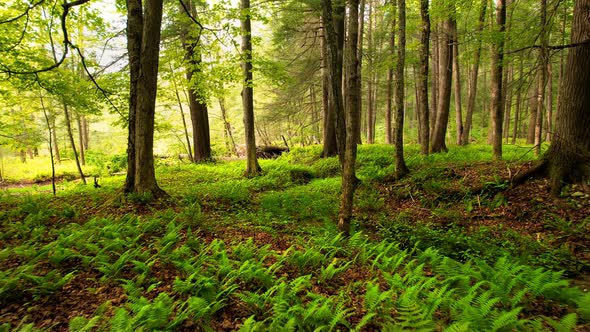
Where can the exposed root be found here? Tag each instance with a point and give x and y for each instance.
(538, 171)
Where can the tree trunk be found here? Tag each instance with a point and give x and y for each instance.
(197, 105)
(184, 126)
(147, 85)
(227, 127)
(388, 109)
(543, 62)
(56, 153)
(73, 143)
(134, 39)
(349, 180)
(252, 166)
(507, 92)
(370, 76)
(497, 102)
(422, 81)
(532, 115)
(457, 84)
(359, 56)
(400, 165)
(51, 143)
(330, 148)
(473, 76)
(444, 88)
(81, 139)
(435, 79)
(549, 101)
(517, 111)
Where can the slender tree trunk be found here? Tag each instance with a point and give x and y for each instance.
(435, 79)
(227, 126)
(422, 81)
(181, 108)
(457, 84)
(507, 92)
(56, 153)
(50, 130)
(359, 57)
(532, 114)
(73, 143)
(444, 90)
(549, 100)
(517, 112)
(370, 83)
(497, 102)
(388, 109)
(349, 180)
(329, 134)
(543, 63)
(252, 167)
(472, 94)
(81, 139)
(147, 85)
(400, 165)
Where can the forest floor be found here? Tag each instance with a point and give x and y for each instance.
(451, 246)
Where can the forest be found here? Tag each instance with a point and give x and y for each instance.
(294, 165)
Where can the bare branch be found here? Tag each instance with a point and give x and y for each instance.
(25, 13)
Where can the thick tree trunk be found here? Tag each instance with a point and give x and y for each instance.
(497, 102)
(444, 89)
(473, 76)
(147, 85)
(252, 166)
(400, 165)
(134, 38)
(329, 131)
(349, 180)
(422, 81)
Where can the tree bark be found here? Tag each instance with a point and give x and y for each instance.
(400, 165)
(147, 85)
(435, 79)
(252, 166)
(549, 101)
(444, 89)
(349, 179)
(422, 82)
(543, 61)
(134, 40)
(330, 148)
(197, 105)
(497, 102)
(457, 84)
(473, 76)
(359, 56)
(370, 75)
(390, 94)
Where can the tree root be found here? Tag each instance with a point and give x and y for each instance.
(536, 172)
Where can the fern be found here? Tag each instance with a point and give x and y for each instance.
(82, 324)
(333, 269)
(567, 323)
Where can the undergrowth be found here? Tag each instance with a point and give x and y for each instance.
(226, 253)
